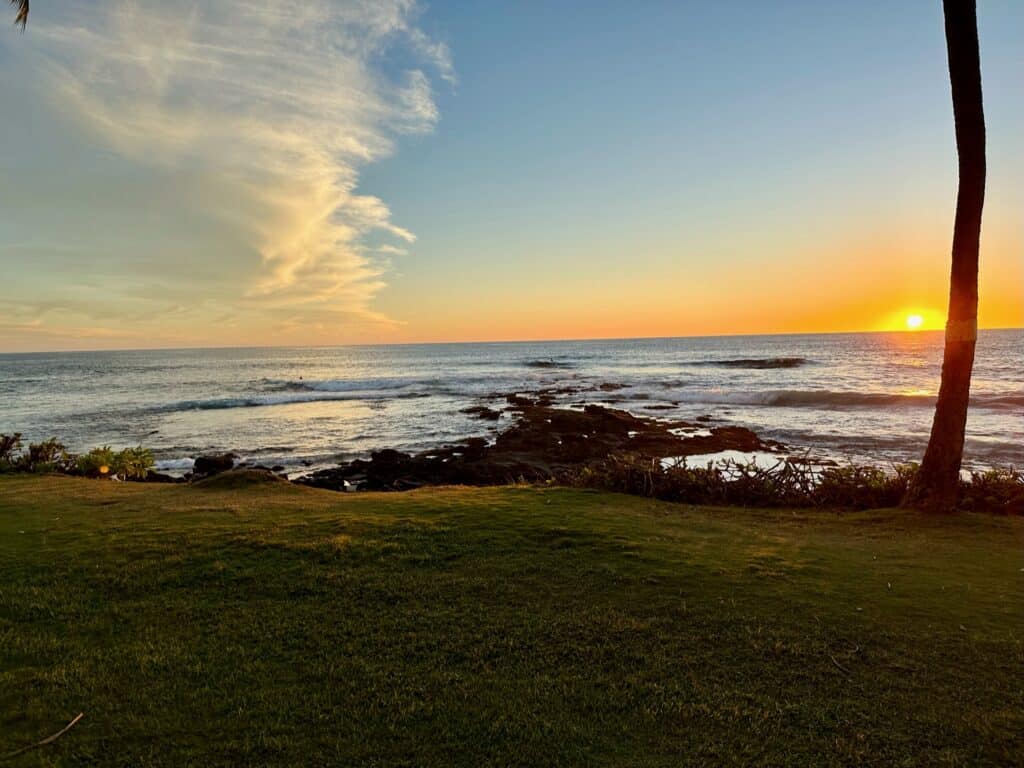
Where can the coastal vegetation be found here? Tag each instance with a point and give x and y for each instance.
(791, 483)
(52, 456)
(281, 625)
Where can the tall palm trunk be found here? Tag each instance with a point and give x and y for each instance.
(936, 484)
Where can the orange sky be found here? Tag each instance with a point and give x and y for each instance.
(422, 174)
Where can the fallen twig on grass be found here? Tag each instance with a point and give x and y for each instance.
(841, 668)
(47, 740)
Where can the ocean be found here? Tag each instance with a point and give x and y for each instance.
(858, 397)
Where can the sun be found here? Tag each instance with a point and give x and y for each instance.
(914, 322)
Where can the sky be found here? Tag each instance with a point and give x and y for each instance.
(178, 173)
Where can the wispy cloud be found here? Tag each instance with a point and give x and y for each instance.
(276, 108)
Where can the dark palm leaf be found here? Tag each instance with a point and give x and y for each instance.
(22, 17)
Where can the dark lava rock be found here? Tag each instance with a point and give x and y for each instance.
(483, 412)
(208, 466)
(390, 457)
(543, 443)
(159, 477)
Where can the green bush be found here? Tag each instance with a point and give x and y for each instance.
(10, 449)
(997, 490)
(134, 463)
(129, 464)
(92, 464)
(51, 456)
(862, 487)
(47, 456)
(789, 484)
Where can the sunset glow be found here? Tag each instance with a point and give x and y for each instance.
(914, 322)
(401, 172)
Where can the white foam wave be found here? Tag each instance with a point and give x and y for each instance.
(287, 398)
(687, 432)
(755, 363)
(340, 385)
(761, 459)
(792, 398)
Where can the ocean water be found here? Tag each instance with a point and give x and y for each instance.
(864, 397)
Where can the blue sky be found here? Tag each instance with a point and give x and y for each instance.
(490, 170)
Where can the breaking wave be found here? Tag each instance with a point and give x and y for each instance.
(755, 362)
(264, 400)
(379, 384)
(792, 398)
(547, 364)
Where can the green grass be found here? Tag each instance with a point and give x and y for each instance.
(279, 625)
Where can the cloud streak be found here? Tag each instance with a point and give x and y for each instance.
(270, 111)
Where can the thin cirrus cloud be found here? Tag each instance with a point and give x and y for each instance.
(274, 108)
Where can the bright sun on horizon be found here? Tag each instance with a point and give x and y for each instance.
(914, 322)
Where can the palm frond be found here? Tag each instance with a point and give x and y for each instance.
(21, 19)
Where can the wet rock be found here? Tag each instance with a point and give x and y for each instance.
(483, 412)
(389, 457)
(208, 466)
(543, 443)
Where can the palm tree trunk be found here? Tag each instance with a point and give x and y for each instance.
(937, 482)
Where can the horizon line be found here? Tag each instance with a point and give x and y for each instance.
(489, 341)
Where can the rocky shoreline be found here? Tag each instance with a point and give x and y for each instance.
(593, 445)
(543, 442)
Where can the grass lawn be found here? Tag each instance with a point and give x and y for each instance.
(279, 625)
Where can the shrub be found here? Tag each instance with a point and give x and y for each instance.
(730, 483)
(51, 456)
(862, 487)
(134, 463)
(10, 448)
(98, 462)
(997, 490)
(788, 483)
(47, 456)
(129, 464)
